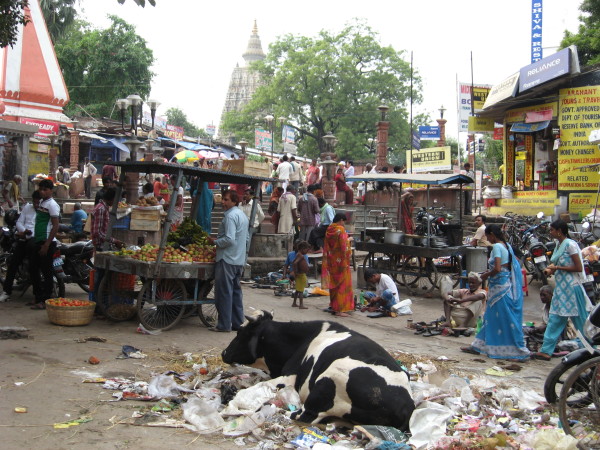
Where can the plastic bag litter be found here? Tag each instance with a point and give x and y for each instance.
(528, 399)
(288, 399)
(428, 424)
(248, 423)
(445, 286)
(202, 416)
(403, 307)
(454, 385)
(553, 439)
(250, 399)
(165, 386)
(210, 396)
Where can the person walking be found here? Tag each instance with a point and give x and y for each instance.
(501, 335)
(288, 216)
(308, 207)
(89, 170)
(41, 247)
(468, 190)
(231, 242)
(336, 275)
(283, 172)
(569, 300)
(296, 174)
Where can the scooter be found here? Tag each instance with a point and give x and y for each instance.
(556, 378)
(73, 263)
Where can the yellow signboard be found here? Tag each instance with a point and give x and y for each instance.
(528, 177)
(518, 114)
(480, 124)
(579, 114)
(479, 97)
(546, 195)
(428, 160)
(582, 203)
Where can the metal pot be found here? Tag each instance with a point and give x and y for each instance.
(393, 237)
(409, 240)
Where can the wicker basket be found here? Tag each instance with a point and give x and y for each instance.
(70, 316)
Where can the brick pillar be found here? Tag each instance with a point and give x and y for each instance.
(74, 155)
(442, 125)
(52, 163)
(382, 144)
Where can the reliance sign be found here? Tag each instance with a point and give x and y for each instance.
(546, 69)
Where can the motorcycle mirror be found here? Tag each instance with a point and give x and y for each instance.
(540, 215)
(585, 226)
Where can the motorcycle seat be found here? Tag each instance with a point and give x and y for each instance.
(75, 248)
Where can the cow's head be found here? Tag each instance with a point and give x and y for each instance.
(244, 347)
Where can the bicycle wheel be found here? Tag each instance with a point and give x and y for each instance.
(117, 295)
(208, 311)
(556, 380)
(419, 275)
(157, 305)
(579, 402)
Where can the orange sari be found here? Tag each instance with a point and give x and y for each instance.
(336, 275)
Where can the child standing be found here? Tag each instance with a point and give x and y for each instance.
(300, 268)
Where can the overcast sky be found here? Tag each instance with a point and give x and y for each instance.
(197, 43)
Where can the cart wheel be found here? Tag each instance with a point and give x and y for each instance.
(456, 270)
(207, 311)
(157, 303)
(115, 300)
(379, 261)
(419, 275)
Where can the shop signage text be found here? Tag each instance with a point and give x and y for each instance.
(428, 160)
(480, 93)
(536, 30)
(263, 139)
(505, 89)
(480, 124)
(429, 133)
(174, 132)
(582, 204)
(547, 69)
(45, 128)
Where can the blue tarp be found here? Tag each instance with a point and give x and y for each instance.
(188, 145)
(521, 127)
(110, 143)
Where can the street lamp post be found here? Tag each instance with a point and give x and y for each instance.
(243, 145)
(328, 162)
(269, 119)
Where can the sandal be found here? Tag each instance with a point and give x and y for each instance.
(541, 356)
(40, 305)
(470, 350)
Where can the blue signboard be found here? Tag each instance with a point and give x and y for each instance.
(429, 133)
(546, 69)
(416, 141)
(536, 30)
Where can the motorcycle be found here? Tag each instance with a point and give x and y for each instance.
(535, 258)
(558, 376)
(578, 400)
(589, 284)
(73, 263)
(438, 226)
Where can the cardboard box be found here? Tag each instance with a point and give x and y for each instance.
(247, 167)
(146, 214)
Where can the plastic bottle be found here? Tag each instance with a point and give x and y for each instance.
(362, 298)
(479, 324)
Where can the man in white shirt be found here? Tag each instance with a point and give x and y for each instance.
(479, 240)
(386, 292)
(246, 207)
(89, 170)
(349, 172)
(283, 172)
(25, 227)
(296, 174)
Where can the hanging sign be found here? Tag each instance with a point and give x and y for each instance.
(263, 139)
(429, 133)
(480, 124)
(464, 102)
(428, 160)
(536, 30)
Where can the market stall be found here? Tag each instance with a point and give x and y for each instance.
(166, 281)
(416, 266)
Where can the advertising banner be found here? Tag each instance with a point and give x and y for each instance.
(520, 114)
(579, 114)
(45, 128)
(582, 204)
(480, 125)
(464, 102)
(546, 69)
(428, 160)
(429, 133)
(416, 140)
(174, 132)
(263, 139)
(498, 133)
(288, 134)
(210, 130)
(536, 30)
(505, 89)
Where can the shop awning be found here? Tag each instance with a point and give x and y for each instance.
(188, 145)
(521, 127)
(100, 142)
(419, 178)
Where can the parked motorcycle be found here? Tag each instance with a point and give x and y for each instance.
(589, 284)
(73, 263)
(535, 258)
(579, 398)
(557, 378)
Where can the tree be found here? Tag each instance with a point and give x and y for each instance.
(587, 39)
(178, 118)
(331, 83)
(12, 16)
(101, 66)
(141, 3)
(59, 16)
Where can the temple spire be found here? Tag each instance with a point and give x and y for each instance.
(254, 51)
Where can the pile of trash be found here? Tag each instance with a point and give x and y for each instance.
(244, 404)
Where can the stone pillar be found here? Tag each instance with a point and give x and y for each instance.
(327, 182)
(442, 125)
(382, 144)
(52, 163)
(74, 155)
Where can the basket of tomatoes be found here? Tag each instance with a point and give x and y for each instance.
(69, 312)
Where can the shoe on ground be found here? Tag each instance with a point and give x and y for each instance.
(4, 297)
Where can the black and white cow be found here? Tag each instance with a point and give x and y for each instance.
(337, 372)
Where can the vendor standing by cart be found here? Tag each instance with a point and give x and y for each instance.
(232, 244)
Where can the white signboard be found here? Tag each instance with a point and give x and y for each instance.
(464, 103)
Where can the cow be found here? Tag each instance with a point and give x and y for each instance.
(337, 372)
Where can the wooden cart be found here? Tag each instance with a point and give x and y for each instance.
(160, 292)
(416, 268)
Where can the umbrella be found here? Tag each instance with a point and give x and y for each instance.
(186, 156)
(208, 154)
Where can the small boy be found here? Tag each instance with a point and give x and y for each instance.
(288, 270)
(300, 268)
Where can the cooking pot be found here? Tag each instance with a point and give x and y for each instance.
(393, 237)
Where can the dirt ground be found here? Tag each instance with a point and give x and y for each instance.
(51, 366)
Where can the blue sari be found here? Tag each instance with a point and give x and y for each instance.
(501, 336)
(205, 206)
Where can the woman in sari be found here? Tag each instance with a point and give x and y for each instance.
(569, 300)
(501, 336)
(273, 206)
(407, 206)
(336, 275)
(312, 173)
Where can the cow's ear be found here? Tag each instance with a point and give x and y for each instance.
(253, 346)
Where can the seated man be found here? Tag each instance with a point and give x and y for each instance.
(386, 292)
(465, 306)
(78, 218)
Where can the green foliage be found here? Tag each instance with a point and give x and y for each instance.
(101, 66)
(178, 118)
(12, 15)
(587, 39)
(141, 3)
(331, 83)
(59, 16)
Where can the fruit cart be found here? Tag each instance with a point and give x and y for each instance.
(417, 267)
(159, 283)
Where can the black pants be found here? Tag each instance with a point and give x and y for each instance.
(468, 193)
(40, 270)
(87, 187)
(16, 258)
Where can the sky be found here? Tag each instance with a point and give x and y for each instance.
(197, 43)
